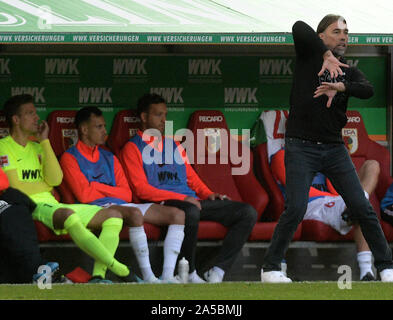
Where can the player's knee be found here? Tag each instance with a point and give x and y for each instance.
(133, 217)
(373, 167)
(192, 215)
(176, 216)
(60, 216)
(249, 214)
(294, 212)
(112, 213)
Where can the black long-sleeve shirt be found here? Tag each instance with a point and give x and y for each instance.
(309, 118)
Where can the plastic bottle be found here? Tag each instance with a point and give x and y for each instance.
(183, 269)
(284, 267)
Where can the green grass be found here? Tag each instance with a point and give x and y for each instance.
(223, 291)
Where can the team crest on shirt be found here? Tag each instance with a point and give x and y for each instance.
(4, 161)
(350, 136)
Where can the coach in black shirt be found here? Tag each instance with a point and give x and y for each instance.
(321, 87)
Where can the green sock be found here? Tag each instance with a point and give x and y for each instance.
(90, 244)
(109, 237)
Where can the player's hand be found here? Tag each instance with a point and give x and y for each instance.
(194, 201)
(338, 86)
(330, 90)
(43, 131)
(215, 196)
(332, 64)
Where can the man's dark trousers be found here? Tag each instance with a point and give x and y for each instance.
(303, 159)
(19, 250)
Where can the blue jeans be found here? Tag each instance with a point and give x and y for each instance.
(303, 159)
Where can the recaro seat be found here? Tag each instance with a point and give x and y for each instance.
(362, 148)
(219, 176)
(124, 127)
(63, 135)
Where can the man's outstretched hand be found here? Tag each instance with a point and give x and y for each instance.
(329, 89)
(332, 64)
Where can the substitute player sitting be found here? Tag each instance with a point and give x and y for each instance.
(327, 206)
(97, 177)
(33, 168)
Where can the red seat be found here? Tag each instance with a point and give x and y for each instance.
(265, 177)
(362, 148)
(62, 131)
(124, 127)
(63, 135)
(215, 166)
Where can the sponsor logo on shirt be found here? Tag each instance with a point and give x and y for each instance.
(31, 174)
(166, 175)
(330, 204)
(4, 161)
(325, 77)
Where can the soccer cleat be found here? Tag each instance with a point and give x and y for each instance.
(274, 277)
(212, 276)
(386, 275)
(99, 280)
(54, 267)
(368, 277)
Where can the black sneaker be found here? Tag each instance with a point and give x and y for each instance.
(368, 277)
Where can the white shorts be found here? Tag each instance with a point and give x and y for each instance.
(141, 206)
(328, 210)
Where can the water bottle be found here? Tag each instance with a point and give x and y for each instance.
(183, 269)
(284, 267)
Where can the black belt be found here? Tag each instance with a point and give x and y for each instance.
(306, 141)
